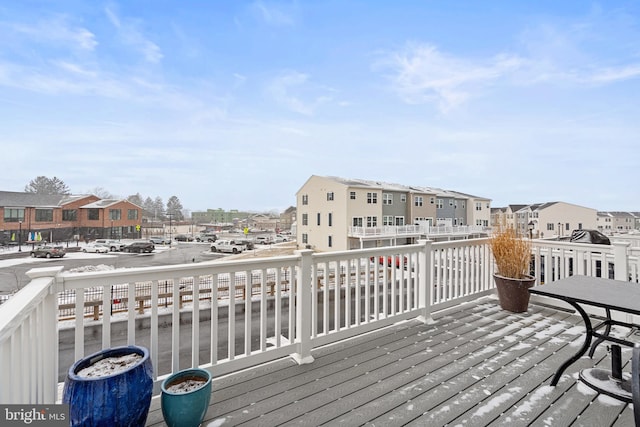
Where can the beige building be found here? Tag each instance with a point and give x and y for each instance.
(545, 220)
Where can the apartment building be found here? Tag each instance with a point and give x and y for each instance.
(618, 222)
(545, 220)
(65, 217)
(336, 213)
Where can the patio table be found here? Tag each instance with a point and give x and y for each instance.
(612, 295)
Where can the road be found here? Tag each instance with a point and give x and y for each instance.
(13, 271)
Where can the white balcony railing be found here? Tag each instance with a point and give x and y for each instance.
(260, 309)
(390, 231)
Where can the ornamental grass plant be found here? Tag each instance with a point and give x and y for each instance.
(511, 252)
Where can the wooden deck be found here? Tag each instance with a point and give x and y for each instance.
(476, 365)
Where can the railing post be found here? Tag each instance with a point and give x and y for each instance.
(303, 308)
(424, 281)
(620, 261)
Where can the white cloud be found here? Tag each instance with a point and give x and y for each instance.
(58, 30)
(132, 36)
(289, 88)
(421, 73)
(272, 15)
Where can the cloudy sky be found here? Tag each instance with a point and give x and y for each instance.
(235, 104)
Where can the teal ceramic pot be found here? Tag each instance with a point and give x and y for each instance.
(120, 399)
(181, 409)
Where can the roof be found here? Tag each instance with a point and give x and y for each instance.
(25, 199)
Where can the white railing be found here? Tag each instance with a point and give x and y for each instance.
(254, 311)
(390, 231)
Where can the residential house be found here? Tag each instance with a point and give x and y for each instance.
(336, 213)
(617, 222)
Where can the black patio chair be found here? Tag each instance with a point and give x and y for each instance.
(635, 382)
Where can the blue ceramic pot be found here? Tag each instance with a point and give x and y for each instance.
(121, 399)
(186, 409)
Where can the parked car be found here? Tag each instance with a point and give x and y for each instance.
(96, 248)
(113, 245)
(183, 238)
(263, 240)
(248, 244)
(206, 237)
(48, 252)
(390, 261)
(140, 247)
(279, 238)
(230, 246)
(156, 240)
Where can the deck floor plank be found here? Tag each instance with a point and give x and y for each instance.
(474, 365)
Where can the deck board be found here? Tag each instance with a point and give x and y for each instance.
(474, 365)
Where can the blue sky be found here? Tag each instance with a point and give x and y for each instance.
(236, 104)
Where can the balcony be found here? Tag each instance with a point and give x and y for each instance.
(328, 337)
(436, 232)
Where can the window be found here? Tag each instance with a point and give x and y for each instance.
(44, 215)
(463, 204)
(330, 241)
(115, 214)
(399, 220)
(330, 196)
(432, 200)
(417, 201)
(330, 219)
(13, 215)
(439, 204)
(305, 219)
(305, 238)
(305, 199)
(566, 227)
(318, 215)
(403, 198)
(372, 221)
(549, 226)
(372, 198)
(478, 206)
(69, 215)
(93, 214)
(132, 213)
(450, 202)
(387, 220)
(352, 195)
(387, 199)
(357, 221)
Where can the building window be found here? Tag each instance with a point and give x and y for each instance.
(463, 204)
(549, 226)
(330, 219)
(115, 214)
(439, 204)
(418, 201)
(403, 198)
(305, 199)
(13, 215)
(330, 196)
(372, 198)
(318, 218)
(44, 215)
(352, 195)
(387, 199)
(93, 214)
(399, 220)
(432, 200)
(305, 238)
(372, 221)
(387, 220)
(478, 206)
(305, 219)
(330, 241)
(450, 202)
(132, 213)
(357, 221)
(69, 215)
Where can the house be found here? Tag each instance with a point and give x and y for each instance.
(61, 217)
(618, 222)
(336, 213)
(545, 220)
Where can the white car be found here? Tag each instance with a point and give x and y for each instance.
(96, 248)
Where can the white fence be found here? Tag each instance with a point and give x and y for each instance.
(254, 311)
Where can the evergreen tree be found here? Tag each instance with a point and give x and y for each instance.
(174, 207)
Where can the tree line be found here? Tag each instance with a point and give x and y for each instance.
(154, 208)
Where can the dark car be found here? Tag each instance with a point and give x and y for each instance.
(204, 237)
(48, 252)
(183, 238)
(140, 247)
